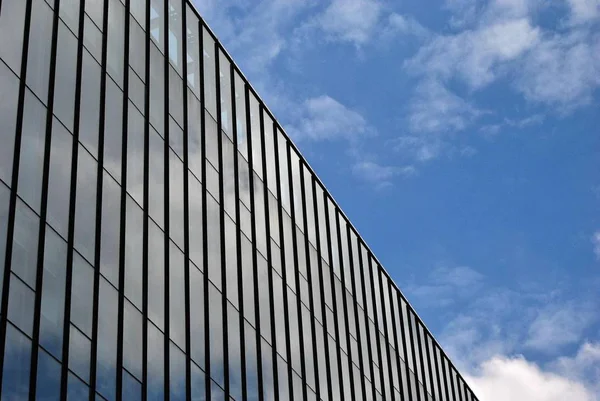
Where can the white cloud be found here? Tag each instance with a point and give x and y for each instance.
(514, 378)
(596, 243)
(352, 21)
(398, 24)
(558, 325)
(435, 109)
(324, 118)
(475, 55)
(379, 175)
(584, 366)
(584, 11)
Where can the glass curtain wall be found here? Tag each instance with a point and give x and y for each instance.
(161, 238)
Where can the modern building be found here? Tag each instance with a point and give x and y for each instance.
(162, 238)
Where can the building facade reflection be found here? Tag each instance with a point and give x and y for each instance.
(161, 237)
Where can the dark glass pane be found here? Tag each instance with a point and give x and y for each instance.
(90, 103)
(113, 127)
(198, 384)
(116, 38)
(25, 243)
(134, 252)
(197, 325)
(233, 346)
(38, 63)
(177, 374)
(12, 28)
(177, 296)
(20, 305)
(132, 389)
(132, 340)
(157, 178)
(82, 292)
(107, 340)
(79, 353)
(195, 222)
(216, 334)
(8, 115)
(77, 390)
(85, 208)
(111, 229)
(156, 356)
(64, 89)
(48, 377)
(15, 377)
(156, 274)
(59, 181)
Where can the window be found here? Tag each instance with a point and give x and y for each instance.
(90, 103)
(197, 325)
(64, 89)
(82, 292)
(59, 181)
(38, 63)
(8, 115)
(134, 252)
(15, 377)
(156, 181)
(25, 243)
(132, 339)
(193, 51)
(113, 128)
(177, 296)
(107, 340)
(79, 353)
(116, 39)
(111, 229)
(215, 331)
(156, 274)
(12, 29)
(85, 208)
(210, 84)
(48, 377)
(20, 305)
(156, 356)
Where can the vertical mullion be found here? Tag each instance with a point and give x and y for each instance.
(334, 298)
(364, 295)
(238, 233)
(269, 257)
(167, 215)
(146, 202)
(43, 209)
(204, 215)
(123, 222)
(222, 221)
(13, 187)
(387, 341)
(254, 249)
(353, 281)
(186, 209)
(322, 294)
(98, 234)
(283, 263)
(296, 271)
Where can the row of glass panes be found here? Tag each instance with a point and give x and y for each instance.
(299, 213)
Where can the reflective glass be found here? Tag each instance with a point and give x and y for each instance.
(197, 316)
(116, 39)
(210, 94)
(234, 352)
(251, 363)
(157, 22)
(53, 293)
(134, 252)
(198, 384)
(85, 205)
(193, 51)
(25, 243)
(48, 377)
(195, 219)
(231, 263)
(135, 154)
(156, 274)
(59, 180)
(15, 377)
(21, 300)
(264, 298)
(156, 178)
(90, 103)
(225, 88)
(176, 199)
(157, 89)
(132, 388)
(107, 340)
(137, 41)
(32, 152)
(12, 29)
(82, 292)
(79, 353)
(8, 117)
(255, 134)
(111, 229)
(92, 36)
(267, 370)
(215, 331)
(195, 160)
(40, 36)
(214, 241)
(4, 204)
(113, 128)
(132, 340)
(64, 88)
(156, 363)
(177, 296)
(176, 374)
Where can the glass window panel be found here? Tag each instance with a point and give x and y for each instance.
(111, 229)
(231, 264)
(212, 141)
(85, 208)
(15, 377)
(95, 8)
(38, 62)
(297, 193)
(157, 22)
(335, 373)
(59, 180)
(132, 340)
(157, 89)
(90, 103)
(79, 353)
(214, 241)
(48, 377)
(321, 356)
(273, 218)
(310, 209)
(137, 47)
(176, 137)
(309, 353)
(247, 279)
(283, 169)
(225, 82)
(264, 298)
(135, 154)
(25, 243)
(107, 340)
(132, 389)
(176, 204)
(116, 40)
(64, 89)
(321, 216)
(217, 393)
(233, 349)
(251, 363)
(279, 312)
(240, 107)
(156, 274)
(32, 151)
(195, 160)
(289, 251)
(230, 199)
(197, 316)
(269, 153)
(260, 216)
(176, 374)
(175, 96)
(82, 292)
(113, 128)
(198, 384)
(53, 293)
(92, 36)
(20, 305)
(216, 334)
(267, 371)
(156, 356)
(12, 28)
(210, 94)
(256, 134)
(133, 252)
(138, 10)
(4, 206)
(244, 181)
(195, 219)
(157, 178)
(69, 12)
(8, 115)
(193, 51)
(177, 296)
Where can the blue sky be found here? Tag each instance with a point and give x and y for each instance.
(462, 139)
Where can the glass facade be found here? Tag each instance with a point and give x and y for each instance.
(162, 239)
